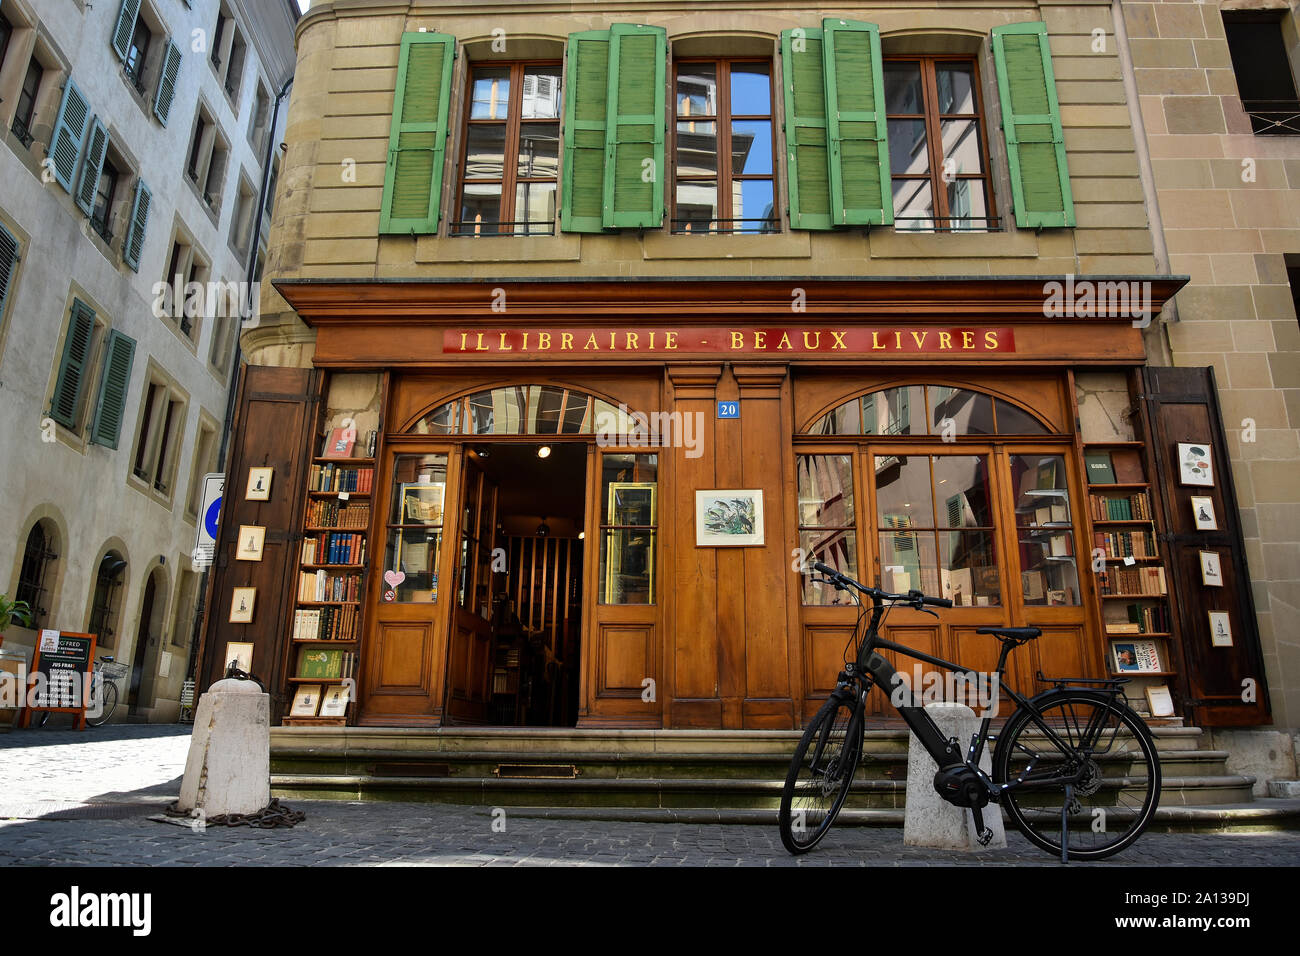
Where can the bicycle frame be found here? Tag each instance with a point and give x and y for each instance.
(947, 754)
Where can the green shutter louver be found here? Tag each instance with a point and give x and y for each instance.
(162, 100)
(417, 140)
(1031, 122)
(585, 100)
(124, 27)
(806, 144)
(8, 266)
(113, 383)
(91, 167)
(860, 190)
(69, 135)
(634, 131)
(133, 245)
(72, 366)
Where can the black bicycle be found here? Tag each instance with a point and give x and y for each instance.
(1075, 767)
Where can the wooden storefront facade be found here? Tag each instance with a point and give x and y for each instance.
(857, 404)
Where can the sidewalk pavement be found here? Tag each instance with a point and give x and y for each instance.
(95, 798)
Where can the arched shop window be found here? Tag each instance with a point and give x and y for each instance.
(106, 602)
(932, 518)
(37, 572)
(522, 410)
(938, 410)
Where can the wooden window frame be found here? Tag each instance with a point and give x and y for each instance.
(934, 143)
(724, 177)
(510, 178)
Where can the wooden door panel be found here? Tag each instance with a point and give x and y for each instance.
(823, 646)
(1060, 652)
(403, 659)
(625, 658)
(924, 639)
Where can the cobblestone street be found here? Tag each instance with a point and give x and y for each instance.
(95, 798)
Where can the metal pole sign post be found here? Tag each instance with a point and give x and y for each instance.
(205, 536)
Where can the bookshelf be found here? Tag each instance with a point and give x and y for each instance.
(1133, 585)
(333, 559)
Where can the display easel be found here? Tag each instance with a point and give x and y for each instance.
(73, 659)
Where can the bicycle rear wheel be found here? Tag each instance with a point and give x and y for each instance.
(820, 774)
(1107, 747)
(108, 703)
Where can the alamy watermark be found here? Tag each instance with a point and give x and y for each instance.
(629, 429)
(1086, 298)
(205, 300)
(979, 690)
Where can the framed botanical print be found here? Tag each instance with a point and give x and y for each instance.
(728, 518)
(1195, 464)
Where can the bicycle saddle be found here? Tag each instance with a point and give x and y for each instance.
(1019, 634)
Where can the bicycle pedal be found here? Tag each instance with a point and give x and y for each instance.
(986, 836)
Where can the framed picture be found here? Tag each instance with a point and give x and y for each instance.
(1195, 464)
(1211, 570)
(251, 539)
(1135, 657)
(305, 700)
(259, 484)
(241, 605)
(1203, 513)
(422, 502)
(1220, 629)
(240, 654)
(334, 702)
(728, 518)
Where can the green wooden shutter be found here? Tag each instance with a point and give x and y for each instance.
(162, 100)
(124, 27)
(1031, 122)
(72, 366)
(585, 99)
(133, 245)
(861, 193)
(92, 166)
(69, 135)
(113, 383)
(417, 140)
(8, 266)
(634, 132)
(806, 148)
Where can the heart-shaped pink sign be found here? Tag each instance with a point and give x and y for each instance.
(394, 578)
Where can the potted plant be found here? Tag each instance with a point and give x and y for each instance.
(13, 612)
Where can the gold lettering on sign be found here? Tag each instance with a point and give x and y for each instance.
(991, 340)
(504, 347)
(875, 341)
(785, 342)
(632, 338)
(591, 343)
(945, 340)
(839, 340)
(672, 340)
(920, 339)
(737, 340)
(544, 341)
(760, 340)
(898, 339)
(480, 347)
(968, 340)
(816, 342)
(525, 346)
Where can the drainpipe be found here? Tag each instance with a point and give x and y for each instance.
(200, 609)
(1156, 340)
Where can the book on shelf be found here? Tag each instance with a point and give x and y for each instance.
(325, 623)
(340, 443)
(1148, 580)
(1160, 700)
(1126, 544)
(341, 478)
(1123, 627)
(330, 513)
(334, 548)
(1099, 468)
(1120, 507)
(320, 585)
(1136, 657)
(326, 663)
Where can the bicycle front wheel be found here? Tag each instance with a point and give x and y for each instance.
(1103, 750)
(107, 702)
(820, 774)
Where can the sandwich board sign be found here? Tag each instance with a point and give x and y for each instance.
(60, 678)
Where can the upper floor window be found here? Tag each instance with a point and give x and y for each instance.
(1265, 77)
(511, 154)
(22, 124)
(6, 34)
(937, 150)
(137, 52)
(723, 108)
(105, 195)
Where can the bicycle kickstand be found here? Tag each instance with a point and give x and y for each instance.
(1065, 823)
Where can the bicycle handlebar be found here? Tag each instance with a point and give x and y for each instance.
(914, 598)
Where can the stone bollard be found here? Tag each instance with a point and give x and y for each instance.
(929, 820)
(228, 769)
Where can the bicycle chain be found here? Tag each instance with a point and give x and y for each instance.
(269, 817)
